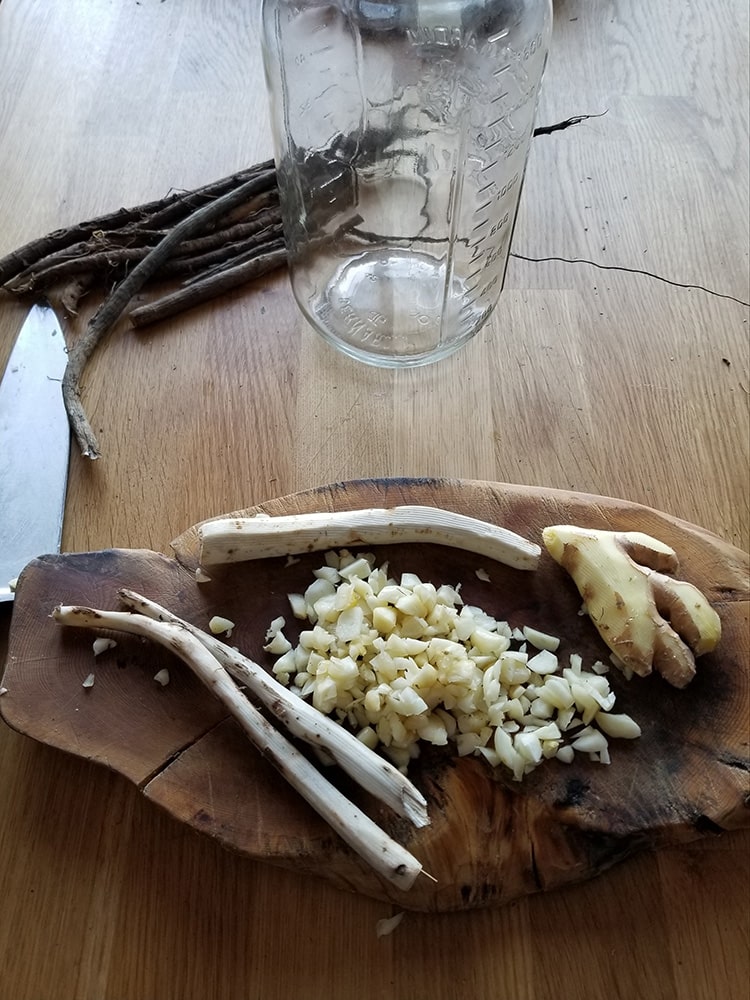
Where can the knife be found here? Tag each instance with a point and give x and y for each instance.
(34, 446)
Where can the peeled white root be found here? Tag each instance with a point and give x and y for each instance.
(368, 769)
(229, 540)
(383, 854)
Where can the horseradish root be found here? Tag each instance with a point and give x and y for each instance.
(650, 621)
(384, 855)
(380, 778)
(229, 540)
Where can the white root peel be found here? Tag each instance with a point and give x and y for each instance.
(392, 861)
(650, 621)
(228, 540)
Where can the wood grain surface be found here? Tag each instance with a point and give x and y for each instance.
(605, 381)
(490, 840)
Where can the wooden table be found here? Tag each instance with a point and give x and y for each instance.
(606, 369)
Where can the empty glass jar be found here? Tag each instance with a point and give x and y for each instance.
(401, 131)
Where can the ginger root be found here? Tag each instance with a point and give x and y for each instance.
(650, 621)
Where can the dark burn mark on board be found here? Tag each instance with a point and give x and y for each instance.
(575, 793)
(704, 824)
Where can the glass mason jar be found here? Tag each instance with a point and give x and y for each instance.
(401, 132)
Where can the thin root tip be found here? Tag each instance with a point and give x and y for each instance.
(418, 817)
(415, 807)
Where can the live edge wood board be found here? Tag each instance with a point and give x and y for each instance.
(490, 839)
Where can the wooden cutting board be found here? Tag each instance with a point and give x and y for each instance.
(491, 839)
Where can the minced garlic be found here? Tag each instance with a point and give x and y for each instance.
(403, 661)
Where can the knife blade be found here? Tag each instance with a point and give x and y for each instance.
(34, 446)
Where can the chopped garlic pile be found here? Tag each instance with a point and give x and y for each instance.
(407, 661)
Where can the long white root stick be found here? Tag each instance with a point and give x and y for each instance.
(384, 855)
(368, 769)
(228, 540)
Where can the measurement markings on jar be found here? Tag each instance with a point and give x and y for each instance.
(500, 97)
(495, 254)
(363, 327)
(532, 47)
(475, 246)
(498, 193)
(477, 259)
(477, 253)
(489, 286)
(495, 143)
